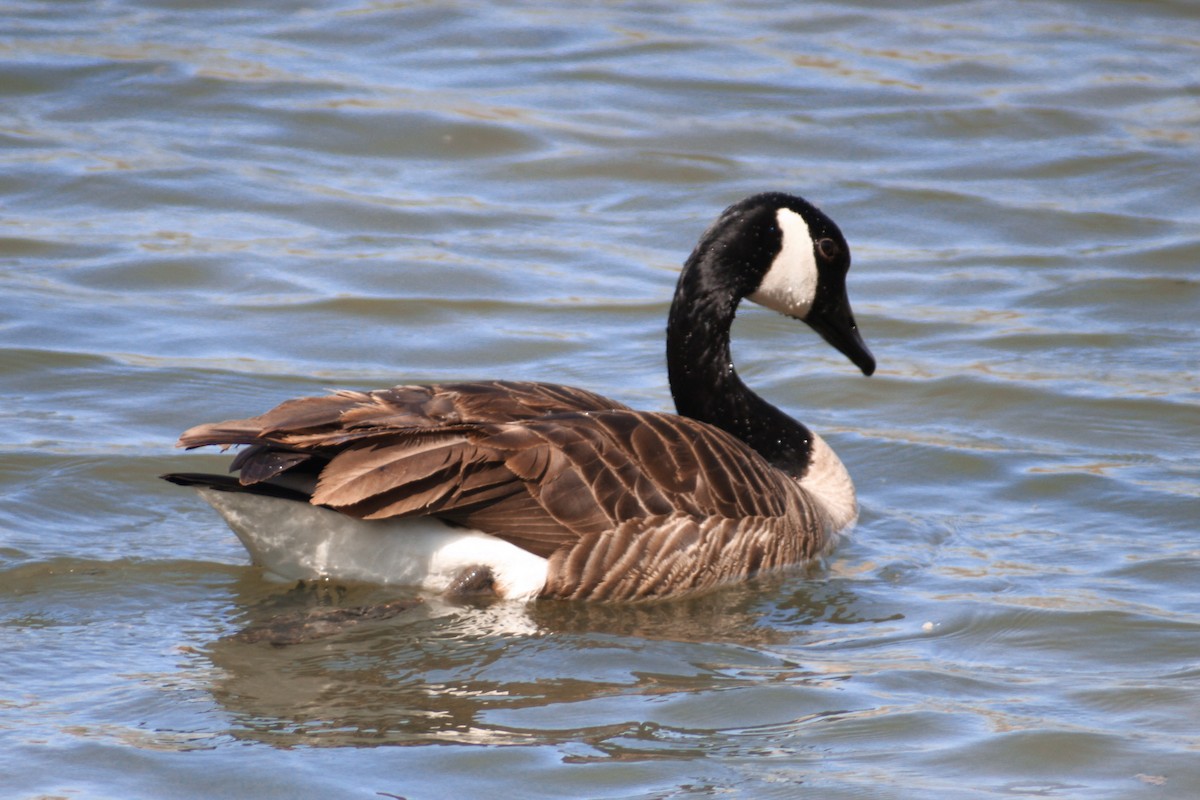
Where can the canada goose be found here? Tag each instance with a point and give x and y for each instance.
(526, 490)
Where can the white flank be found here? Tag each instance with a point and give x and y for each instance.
(829, 484)
(790, 285)
(294, 540)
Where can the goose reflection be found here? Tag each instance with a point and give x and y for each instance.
(325, 664)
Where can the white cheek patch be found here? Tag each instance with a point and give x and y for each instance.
(791, 283)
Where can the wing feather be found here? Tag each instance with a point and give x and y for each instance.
(624, 503)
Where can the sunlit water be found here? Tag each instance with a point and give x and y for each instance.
(208, 209)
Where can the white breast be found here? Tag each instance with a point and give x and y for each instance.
(829, 484)
(293, 540)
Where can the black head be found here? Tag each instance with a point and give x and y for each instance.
(784, 253)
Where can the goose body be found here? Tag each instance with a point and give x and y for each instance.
(523, 490)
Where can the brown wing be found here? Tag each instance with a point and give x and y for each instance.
(312, 429)
(624, 503)
(307, 420)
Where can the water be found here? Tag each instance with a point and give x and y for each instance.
(210, 208)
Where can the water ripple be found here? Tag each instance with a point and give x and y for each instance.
(209, 209)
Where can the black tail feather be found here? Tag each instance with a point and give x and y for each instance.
(227, 483)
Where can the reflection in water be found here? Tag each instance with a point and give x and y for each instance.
(330, 665)
(310, 624)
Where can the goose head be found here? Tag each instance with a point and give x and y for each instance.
(784, 253)
(781, 252)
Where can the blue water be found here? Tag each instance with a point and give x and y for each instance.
(208, 209)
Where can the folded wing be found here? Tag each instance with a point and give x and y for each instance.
(624, 503)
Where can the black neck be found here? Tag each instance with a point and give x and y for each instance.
(703, 381)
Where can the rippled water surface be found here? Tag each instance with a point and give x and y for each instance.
(208, 208)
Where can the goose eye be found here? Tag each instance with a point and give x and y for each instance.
(829, 249)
